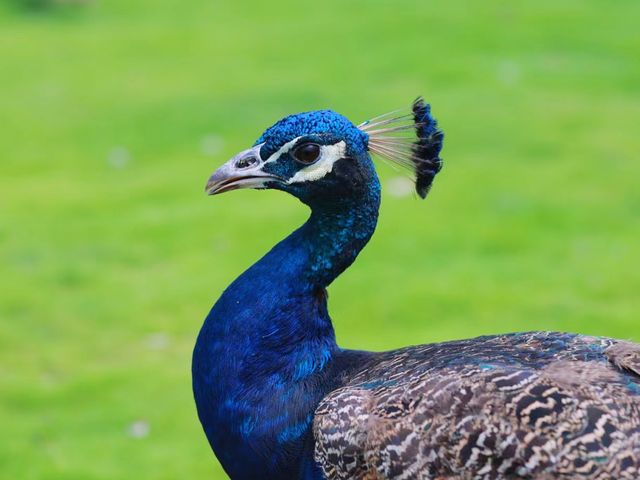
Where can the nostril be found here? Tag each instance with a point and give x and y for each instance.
(246, 162)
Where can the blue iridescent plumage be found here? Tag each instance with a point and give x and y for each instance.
(277, 397)
(260, 364)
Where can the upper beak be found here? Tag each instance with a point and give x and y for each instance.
(242, 171)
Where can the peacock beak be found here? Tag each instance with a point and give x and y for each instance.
(242, 171)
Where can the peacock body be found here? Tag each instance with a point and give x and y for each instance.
(279, 399)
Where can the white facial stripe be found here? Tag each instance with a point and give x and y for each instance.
(283, 149)
(329, 155)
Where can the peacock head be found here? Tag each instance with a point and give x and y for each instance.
(323, 159)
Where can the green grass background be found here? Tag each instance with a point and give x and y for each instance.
(114, 113)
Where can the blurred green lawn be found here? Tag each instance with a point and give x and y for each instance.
(114, 114)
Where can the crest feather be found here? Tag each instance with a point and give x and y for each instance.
(411, 140)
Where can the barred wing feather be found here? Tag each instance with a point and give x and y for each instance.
(530, 406)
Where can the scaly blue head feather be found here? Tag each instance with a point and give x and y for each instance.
(319, 123)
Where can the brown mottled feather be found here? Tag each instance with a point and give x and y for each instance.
(525, 406)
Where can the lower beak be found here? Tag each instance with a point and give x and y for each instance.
(221, 182)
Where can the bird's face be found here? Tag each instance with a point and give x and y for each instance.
(319, 157)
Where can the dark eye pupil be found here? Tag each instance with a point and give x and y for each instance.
(307, 153)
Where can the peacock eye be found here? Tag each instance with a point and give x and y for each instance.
(306, 153)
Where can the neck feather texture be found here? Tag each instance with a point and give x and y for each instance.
(265, 355)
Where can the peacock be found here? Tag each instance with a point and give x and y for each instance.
(279, 399)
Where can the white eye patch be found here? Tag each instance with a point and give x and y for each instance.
(283, 149)
(329, 154)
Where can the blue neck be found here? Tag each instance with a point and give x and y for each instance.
(266, 354)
